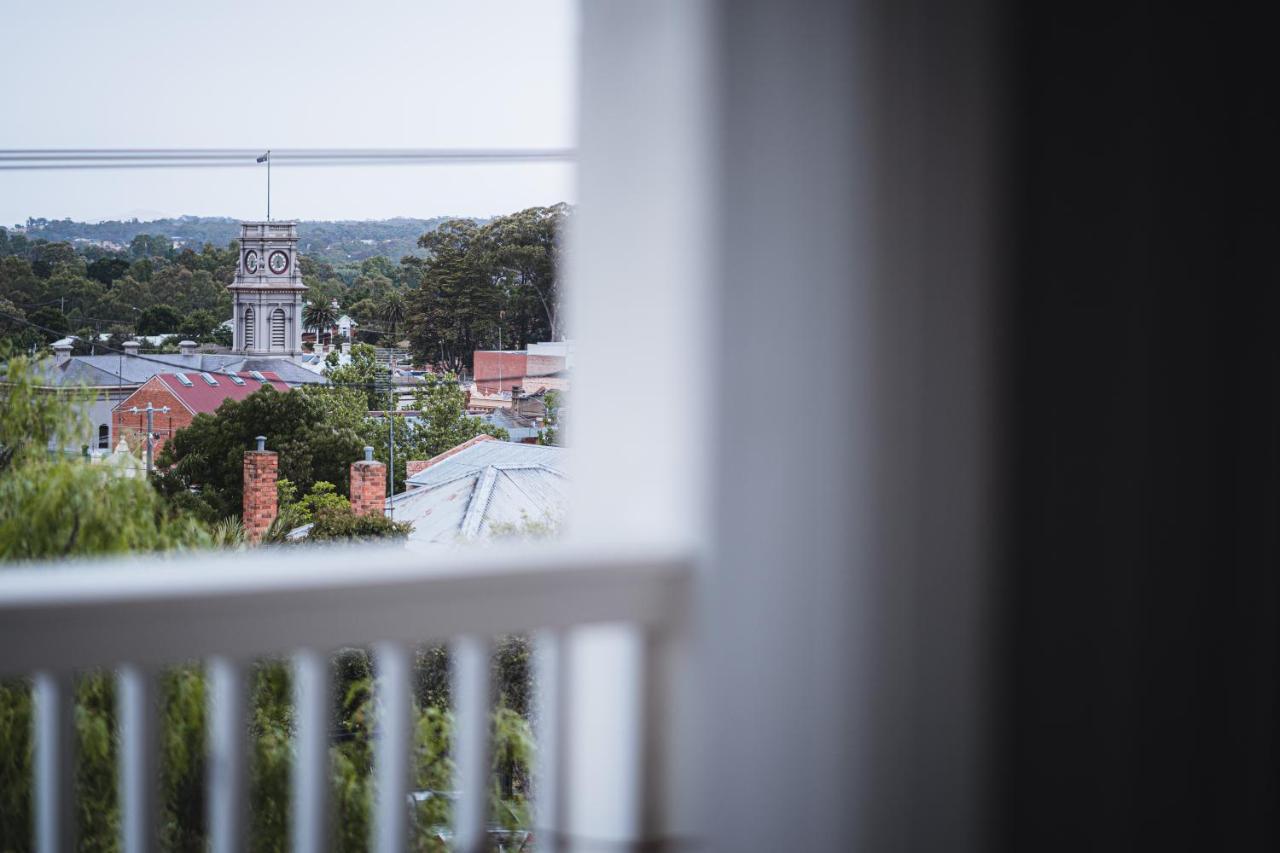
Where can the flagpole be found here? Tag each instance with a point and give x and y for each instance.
(268, 184)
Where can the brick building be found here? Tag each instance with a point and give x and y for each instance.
(186, 395)
(495, 371)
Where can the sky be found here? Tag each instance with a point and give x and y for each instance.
(288, 74)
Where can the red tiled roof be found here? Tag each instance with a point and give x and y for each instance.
(201, 397)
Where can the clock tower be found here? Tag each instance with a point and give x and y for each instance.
(266, 313)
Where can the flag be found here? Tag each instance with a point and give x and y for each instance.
(265, 157)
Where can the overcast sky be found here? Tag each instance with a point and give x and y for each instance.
(288, 74)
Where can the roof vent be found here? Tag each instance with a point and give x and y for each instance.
(236, 379)
(258, 376)
(208, 377)
(182, 377)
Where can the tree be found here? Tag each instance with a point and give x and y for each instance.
(52, 508)
(550, 433)
(199, 325)
(50, 322)
(393, 312)
(321, 316)
(210, 452)
(486, 283)
(443, 423)
(159, 320)
(364, 371)
(107, 270)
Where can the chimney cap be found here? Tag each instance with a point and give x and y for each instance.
(187, 344)
(262, 442)
(132, 345)
(368, 453)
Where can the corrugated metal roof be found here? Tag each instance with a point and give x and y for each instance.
(97, 370)
(489, 483)
(198, 396)
(486, 453)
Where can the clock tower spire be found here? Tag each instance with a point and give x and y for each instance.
(267, 291)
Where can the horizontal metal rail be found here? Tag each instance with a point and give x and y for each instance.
(26, 159)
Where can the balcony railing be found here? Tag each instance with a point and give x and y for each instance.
(135, 616)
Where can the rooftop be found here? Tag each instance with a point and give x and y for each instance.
(482, 484)
(204, 392)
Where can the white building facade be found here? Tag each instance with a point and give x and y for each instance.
(267, 293)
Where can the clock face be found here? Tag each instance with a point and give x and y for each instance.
(251, 262)
(279, 262)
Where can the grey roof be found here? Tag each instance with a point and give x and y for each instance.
(517, 428)
(492, 482)
(99, 370)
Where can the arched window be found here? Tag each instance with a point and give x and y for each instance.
(104, 437)
(277, 330)
(248, 328)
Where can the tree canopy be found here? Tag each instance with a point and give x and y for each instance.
(209, 454)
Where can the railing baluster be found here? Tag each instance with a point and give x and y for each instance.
(549, 717)
(311, 772)
(55, 738)
(139, 744)
(227, 755)
(471, 707)
(393, 747)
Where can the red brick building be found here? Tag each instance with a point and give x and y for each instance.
(497, 370)
(186, 395)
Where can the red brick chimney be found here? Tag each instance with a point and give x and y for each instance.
(368, 485)
(260, 468)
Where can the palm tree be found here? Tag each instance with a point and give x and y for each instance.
(320, 316)
(393, 310)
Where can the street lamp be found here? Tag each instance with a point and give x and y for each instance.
(150, 411)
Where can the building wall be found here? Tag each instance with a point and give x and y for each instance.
(541, 365)
(133, 427)
(97, 412)
(534, 384)
(493, 369)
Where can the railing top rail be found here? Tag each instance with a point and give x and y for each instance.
(173, 608)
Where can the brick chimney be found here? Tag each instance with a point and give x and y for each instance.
(515, 400)
(260, 468)
(368, 485)
(61, 352)
(187, 347)
(131, 347)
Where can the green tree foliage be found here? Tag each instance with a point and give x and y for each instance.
(480, 280)
(364, 372)
(158, 320)
(392, 312)
(50, 322)
(51, 508)
(550, 433)
(319, 314)
(442, 423)
(199, 325)
(210, 452)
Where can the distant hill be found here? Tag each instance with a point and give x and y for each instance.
(335, 242)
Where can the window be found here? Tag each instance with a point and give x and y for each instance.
(248, 328)
(277, 330)
(104, 437)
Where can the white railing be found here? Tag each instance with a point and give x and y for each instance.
(137, 615)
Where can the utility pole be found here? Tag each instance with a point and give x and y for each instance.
(150, 412)
(391, 434)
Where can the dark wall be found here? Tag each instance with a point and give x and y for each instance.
(1142, 581)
